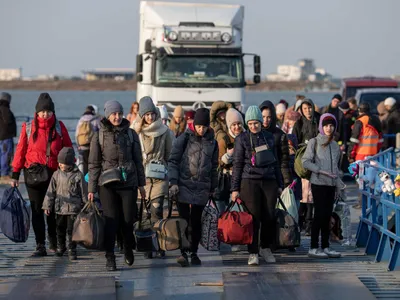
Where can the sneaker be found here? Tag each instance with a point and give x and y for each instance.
(40, 251)
(195, 260)
(183, 260)
(332, 253)
(267, 255)
(316, 253)
(160, 254)
(253, 260)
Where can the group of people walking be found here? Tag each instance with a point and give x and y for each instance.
(217, 153)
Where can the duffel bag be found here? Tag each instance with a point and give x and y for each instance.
(236, 227)
(145, 236)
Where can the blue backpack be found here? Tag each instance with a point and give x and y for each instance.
(15, 216)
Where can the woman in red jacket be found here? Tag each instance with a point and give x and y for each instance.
(39, 144)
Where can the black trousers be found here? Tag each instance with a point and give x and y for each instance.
(324, 197)
(36, 196)
(192, 214)
(65, 224)
(120, 211)
(85, 160)
(260, 198)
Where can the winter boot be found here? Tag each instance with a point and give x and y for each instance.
(129, 257)
(110, 263)
(40, 251)
(53, 244)
(183, 260)
(71, 249)
(195, 260)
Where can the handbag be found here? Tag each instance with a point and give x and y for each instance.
(109, 176)
(224, 185)
(38, 174)
(154, 169)
(209, 227)
(145, 237)
(236, 227)
(264, 156)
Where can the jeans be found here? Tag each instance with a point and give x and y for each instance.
(260, 198)
(192, 214)
(120, 211)
(324, 198)
(36, 196)
(6, 152)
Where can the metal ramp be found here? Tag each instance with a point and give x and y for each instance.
(294, 286)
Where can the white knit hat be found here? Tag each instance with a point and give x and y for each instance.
(280, 108)
(390, 101)
(233, 116)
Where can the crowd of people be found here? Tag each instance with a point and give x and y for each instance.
(220, 153)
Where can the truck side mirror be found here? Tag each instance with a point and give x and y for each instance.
(139, 63)
(147, 46)
(257, 64)
(256, 79)
(139, 77)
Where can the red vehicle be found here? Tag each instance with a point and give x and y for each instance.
(351, 85)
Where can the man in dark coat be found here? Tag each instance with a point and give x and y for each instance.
(282, 147)
(8, 130)
(333, 108)
(392, 122)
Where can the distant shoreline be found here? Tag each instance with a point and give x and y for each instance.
(130, 85)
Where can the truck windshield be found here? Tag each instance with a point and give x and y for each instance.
(375, 98)
(203, 71)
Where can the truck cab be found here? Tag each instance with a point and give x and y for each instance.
(350, 86)
(190, 54)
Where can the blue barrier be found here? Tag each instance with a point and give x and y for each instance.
(379, 227)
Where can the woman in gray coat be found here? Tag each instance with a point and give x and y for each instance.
(156, 142)
(192, 172)
(322, 159)
(115, 164)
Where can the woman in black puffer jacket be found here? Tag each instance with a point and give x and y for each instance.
(192, 173)
(258, 185)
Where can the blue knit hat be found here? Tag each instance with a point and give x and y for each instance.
(112, 106)
(253, 113)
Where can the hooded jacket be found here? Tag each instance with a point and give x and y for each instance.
(281, 143)
(29, 151)
(94, 122)
(156, 142)
(243, 152)
(67, 192)
(392, 125)
(117, 145)
(220, 128)
(305, 129)
(8, 125)
(193, 165)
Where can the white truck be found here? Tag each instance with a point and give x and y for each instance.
(190, 54)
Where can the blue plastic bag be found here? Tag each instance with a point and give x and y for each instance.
(15, 216)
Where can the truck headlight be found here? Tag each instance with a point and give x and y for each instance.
(172, 36)
(226, 37)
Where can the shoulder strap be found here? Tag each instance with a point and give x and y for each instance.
(101, 139)
(144, 155)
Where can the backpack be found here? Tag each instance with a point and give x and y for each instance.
(287, 230)
(209, 227)
(15, 216)
(298, 163)
(85, 133)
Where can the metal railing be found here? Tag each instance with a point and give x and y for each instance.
(379, 227)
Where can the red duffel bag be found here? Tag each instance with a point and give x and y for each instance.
(236, 227)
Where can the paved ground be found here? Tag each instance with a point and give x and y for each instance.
(164, 279)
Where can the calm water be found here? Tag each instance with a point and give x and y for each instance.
(71, 104)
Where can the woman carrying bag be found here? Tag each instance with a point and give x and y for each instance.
(156, 144)
(322, 158)
(39, 144)
(115, 164)
(192, 172)
(256, 179)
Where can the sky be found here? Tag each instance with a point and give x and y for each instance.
(346, 37)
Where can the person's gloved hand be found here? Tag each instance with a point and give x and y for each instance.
(173, 190)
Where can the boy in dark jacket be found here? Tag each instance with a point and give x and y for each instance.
(66, 194)
(8, 130)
